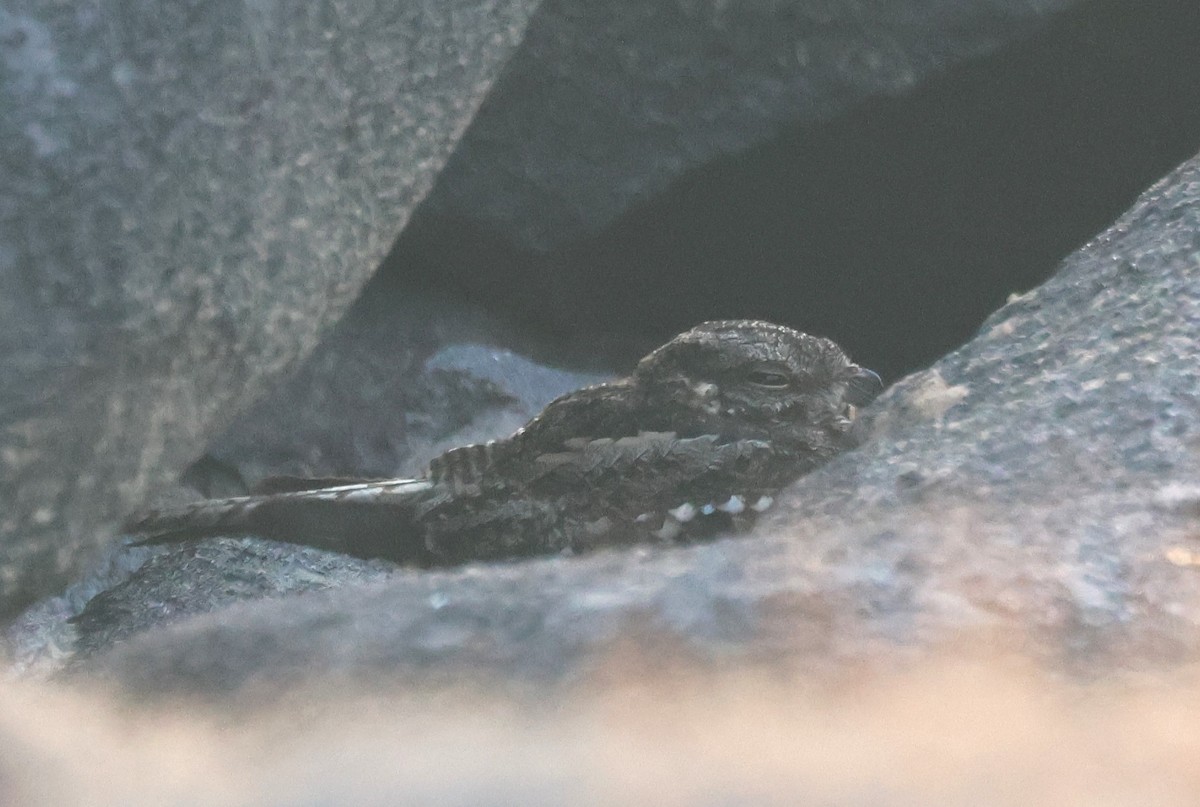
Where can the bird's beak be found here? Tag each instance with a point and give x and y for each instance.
(864, 386)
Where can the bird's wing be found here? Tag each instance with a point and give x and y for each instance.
(369, 519)
(295, 484)
(602, 492)
(651, 468)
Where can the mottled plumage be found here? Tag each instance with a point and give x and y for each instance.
(699, 438)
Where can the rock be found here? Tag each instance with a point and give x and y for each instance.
(1040, 483)
(192, 196)
(662, 734)
(207, 576)
(43, 639)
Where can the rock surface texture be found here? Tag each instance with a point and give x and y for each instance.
(192, 195)
(1042, 482)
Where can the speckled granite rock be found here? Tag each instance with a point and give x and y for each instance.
(210, 575)
(192, 195)
(1041, 483)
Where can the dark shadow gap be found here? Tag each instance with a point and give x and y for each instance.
(895, 229)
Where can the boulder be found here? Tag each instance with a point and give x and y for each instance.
(193, 194)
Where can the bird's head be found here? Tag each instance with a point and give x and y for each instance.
(749, 379)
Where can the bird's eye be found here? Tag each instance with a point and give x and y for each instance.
(768, 379)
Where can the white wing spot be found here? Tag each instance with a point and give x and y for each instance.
(684, 512)
(763, 503)
(735, 505)
(362, 495)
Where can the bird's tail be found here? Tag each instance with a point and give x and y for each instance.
(372, 519)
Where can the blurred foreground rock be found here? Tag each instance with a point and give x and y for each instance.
(1042, 482)
(986, 733)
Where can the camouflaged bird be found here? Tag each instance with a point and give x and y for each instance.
(698, 439)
